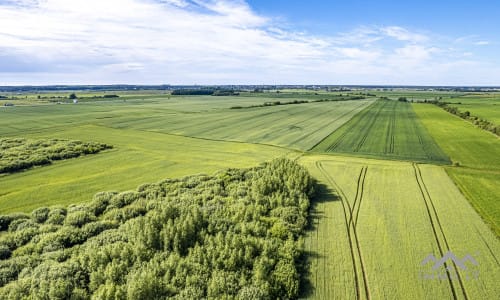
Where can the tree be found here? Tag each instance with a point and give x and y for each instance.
(72, 96)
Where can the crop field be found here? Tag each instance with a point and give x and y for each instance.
(396, 181)
(484, 106)
(151, 140)
(387, 129)
(296, 126)
(383, 219)
(478, 154)
(137, 157)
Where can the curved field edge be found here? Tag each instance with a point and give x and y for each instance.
(18, 154)
(477, 153)
(388, 130)
(137, 157)
(235, 234)
(395, 232)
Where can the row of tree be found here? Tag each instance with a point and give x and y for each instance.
(232, 235)
(276, 103)
(17, 154)
(466, 115)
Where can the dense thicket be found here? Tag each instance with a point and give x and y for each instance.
(232, 235)
(18, 153)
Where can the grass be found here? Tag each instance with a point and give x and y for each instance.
(137, 157)
(294, 126)
(485, 106)
(386, 129)
(383, 226)
(478, 153)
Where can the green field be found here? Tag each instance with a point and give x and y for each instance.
(369, 242)
(388, 194)
(485, 106)
(137, 157)
(478, 153)
(387, 129)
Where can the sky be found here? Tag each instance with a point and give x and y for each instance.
(209, 42)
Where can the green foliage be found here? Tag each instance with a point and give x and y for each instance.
(232, 235)
(18, 154)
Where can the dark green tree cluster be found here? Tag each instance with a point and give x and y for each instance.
(17, 154)
(234, 235)
(193, 92)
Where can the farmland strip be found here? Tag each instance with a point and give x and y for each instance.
(441, 253)
(342, 200)
(366, 129)
(357, 200)
(464, 292)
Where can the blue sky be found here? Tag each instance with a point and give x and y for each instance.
(249, 42)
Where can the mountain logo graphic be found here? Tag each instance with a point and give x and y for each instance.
(449, 256)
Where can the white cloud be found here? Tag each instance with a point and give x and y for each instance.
(403, 34)
(482, 43)
(197, 41)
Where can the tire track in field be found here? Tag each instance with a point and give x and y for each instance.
(464, 291)
(341, 138)
(425, 149)
(367, 128)
(352, 234)
(389, 143)
(424, 193)
(329, 123)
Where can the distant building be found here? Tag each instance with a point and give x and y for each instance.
(75, 101)
(8, 104)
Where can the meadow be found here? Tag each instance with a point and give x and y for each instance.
(387, 129)
(396, 181)
(476, 153)
(485, 106)
(383, 219)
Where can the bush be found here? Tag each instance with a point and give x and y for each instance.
(40, 215)
(79, 218)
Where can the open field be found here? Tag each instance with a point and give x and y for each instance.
(144, 150)
(298, 126)
(478, 153)
(486, 106)
(369, 242)
(137, 157)
(373, 222)
(387, 129)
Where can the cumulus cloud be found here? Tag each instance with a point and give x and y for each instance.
(192, 41)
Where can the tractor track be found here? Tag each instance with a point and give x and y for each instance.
(431, 209)
(352, 234)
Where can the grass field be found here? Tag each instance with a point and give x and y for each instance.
(486, 106)
(374, 220)
(137, 157)
(296, 126)
(389, 217)
(387, 129)
(149, 142)
(478, 153)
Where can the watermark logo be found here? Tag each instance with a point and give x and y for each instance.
(450, 266)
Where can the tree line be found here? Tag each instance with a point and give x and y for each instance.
(234, 235)
(276, 103)
(466, 115)
(18, 154)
